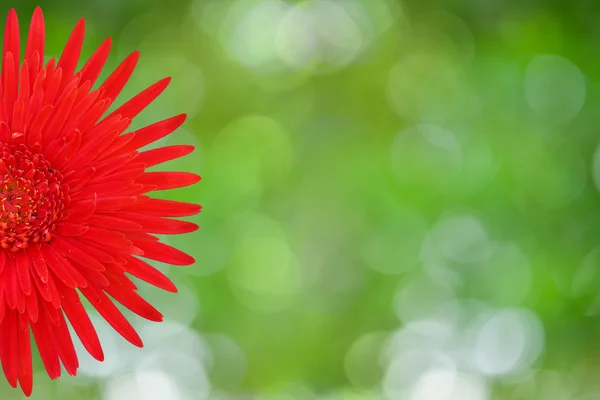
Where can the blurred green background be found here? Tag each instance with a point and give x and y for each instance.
(400, 199)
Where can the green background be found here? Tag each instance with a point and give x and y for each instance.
(400, 199)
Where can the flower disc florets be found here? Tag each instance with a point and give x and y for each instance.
(32, 197)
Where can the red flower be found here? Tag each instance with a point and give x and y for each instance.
(75, 217)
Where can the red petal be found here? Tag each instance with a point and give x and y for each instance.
(114, 203)
(152, 224)
(168, 180)
(24, 84)
(83, 209)
(59, 268)
(80, 109)
(2, 261)
(92, 68)
(32, 306)
(154, 132)
(23, 266)
(81, 323)
(53, 148)
(62, 338)
(109, 165)
(51, 309)
(93, 251)
(133, 301)
(66, 249)
(11, 284)
(133, 171)
(9, 351)
(164, 253)
(46, 347)
(39, 271)
(35, 131)
(18, 117)
(163, 154)
(25, 367)
(54, 295)
(107, 237)
(12, 45)
(79, 177)
(51, 91)
(35, 40)
(113, 316)
(63, 108)
(165, 208)
(70, 56)
(9, 82)
(72, 145)
(148, 273)
(70, 229)
(111, 222)
(102, 189)
(117, 80)
(92, 115)
(134, 106)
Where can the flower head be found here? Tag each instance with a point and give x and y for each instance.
(76, 218)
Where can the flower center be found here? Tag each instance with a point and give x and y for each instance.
(32, 198)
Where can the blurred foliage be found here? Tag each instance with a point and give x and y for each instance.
(390, 189)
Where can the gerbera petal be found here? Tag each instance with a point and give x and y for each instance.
(66, 249)
(35, 131)
(158, 156)
(134, 106)
(9, 83)
(25, 373)
(114, 203)
(149, 274)
(61, 113)
(52, 85)
(85, 209)
(11, 283)
(133, 301)
(92, 68)
(94, 251)
(70, 55)
(80, 108)
(154, 132)
(23, 267)
(110, 221)
(92, 115)
(64, 343)
(164, 253)
(159, 225)
(18, 117)
(164, 208)
(35, 42)
(46, 346)
(9, 351)
(73, 141)
(107, 237)
(113, 316)
(12, 46)
(70, 229)
(81, 323)
(59, 268)
(117, 80)
(168, 180)
(31, 303)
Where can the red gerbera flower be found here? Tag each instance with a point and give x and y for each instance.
(75, 216)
